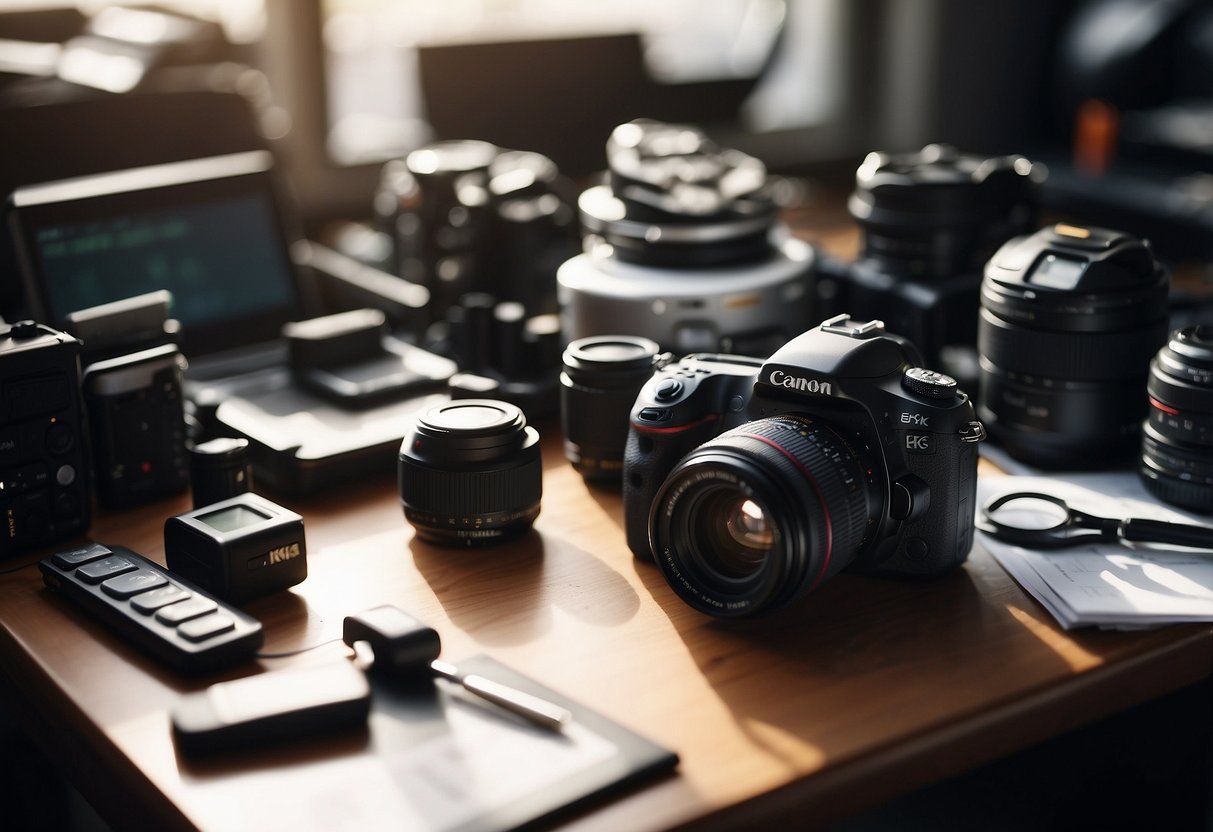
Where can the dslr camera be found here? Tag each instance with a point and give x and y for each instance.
(751, 482)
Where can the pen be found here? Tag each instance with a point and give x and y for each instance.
(534, 709)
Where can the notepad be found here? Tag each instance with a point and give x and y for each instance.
(1107, 585)
(462, 764)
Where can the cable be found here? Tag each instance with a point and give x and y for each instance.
(288, 653)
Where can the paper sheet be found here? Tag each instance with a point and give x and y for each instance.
(1107, 585)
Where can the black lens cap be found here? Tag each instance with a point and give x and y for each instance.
(469, 430)
(622, 352)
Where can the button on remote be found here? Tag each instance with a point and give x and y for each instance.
(132, 583)
(185, 610)
(148, 602)
(98, 571)
(200, 629)
(81, 556)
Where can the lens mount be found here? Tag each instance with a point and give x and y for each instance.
(762, 514)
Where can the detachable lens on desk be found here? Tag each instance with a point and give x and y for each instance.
(599, 382)
(1069, 319)
(470, 473)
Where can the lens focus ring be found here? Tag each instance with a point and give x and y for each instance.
(1066, 355)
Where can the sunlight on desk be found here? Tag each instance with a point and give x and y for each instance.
(1066, 648)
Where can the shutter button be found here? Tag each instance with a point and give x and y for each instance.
(668, 389)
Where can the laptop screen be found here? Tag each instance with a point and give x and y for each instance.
(207, 230)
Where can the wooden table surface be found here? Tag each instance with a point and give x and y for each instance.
(868, 688)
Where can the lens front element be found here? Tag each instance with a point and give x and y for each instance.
(736, 537)
(755, 518)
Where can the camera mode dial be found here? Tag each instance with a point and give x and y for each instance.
(928, 383)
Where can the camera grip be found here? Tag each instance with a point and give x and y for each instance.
(640, 484)
(941, 538)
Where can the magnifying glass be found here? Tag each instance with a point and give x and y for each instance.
(1042, 521)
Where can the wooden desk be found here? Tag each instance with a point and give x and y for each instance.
(868, 689)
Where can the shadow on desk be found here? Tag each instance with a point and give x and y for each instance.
(517, 577)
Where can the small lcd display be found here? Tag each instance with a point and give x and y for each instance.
(1057, 272)
(232, 518)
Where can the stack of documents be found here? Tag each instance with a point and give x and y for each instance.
(1108, 585)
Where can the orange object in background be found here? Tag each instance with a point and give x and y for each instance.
(1096, 129)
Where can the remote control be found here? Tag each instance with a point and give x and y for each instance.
(177, 623)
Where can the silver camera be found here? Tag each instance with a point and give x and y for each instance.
(682, 245)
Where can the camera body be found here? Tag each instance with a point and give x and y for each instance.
(843, 412)
(929, 220)
(43, 454)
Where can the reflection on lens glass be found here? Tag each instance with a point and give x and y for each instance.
(749, 527)
(1030, 514)
(734, 534)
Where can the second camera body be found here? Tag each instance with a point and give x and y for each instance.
(750, 482)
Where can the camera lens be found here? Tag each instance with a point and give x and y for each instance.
(602, 376)
(682, 241)
(1177, 437)
(1070, 318)
(939, 213)
(674, 198)
(929, 221)
(470, 473)
(760, 515)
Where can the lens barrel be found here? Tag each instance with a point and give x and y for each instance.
(470, 473)
(1177, 437)
(601, 378)
(757, 517)
(939, 213)
(1069, 320)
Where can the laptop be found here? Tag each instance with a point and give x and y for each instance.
(212, 233)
